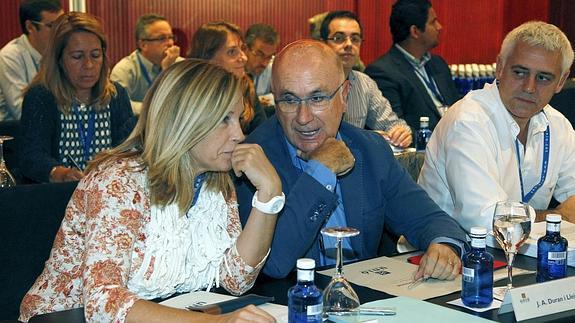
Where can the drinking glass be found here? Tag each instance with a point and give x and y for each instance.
(511, 227)
(6, 179)
(339, 298)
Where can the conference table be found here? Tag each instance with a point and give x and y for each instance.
(278, 289)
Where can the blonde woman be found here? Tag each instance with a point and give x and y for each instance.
(72, 110)
(158, 214)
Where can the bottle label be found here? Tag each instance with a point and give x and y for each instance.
(305, 275)
(554, 227)
(313, 310)
(555, 256)
(468, 274)
(478, 243)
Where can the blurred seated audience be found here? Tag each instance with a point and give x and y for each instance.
(155, 51)
(221, 42)
(159, 212)
(505, 142)
(262, 42)
(366, 107)
(72, 110)
(20, 58)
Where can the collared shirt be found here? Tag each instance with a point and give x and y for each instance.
(366, 106)
(19, 64)
(328, 179)
(132, 76)
(263, 82)
(471, 161)
(421, 72)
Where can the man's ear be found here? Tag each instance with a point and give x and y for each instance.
(30, 27)
(559, 86)
(414, 32)
(499, 67)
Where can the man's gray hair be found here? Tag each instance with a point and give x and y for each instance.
(539, 34)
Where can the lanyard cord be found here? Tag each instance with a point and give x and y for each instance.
(545, 165)
(86, 136)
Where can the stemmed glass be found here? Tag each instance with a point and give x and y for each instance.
(511, 227)
(6, 179)
(339, 298)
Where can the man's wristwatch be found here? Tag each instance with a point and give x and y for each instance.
(273, 206)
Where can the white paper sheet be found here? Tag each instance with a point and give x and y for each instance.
(199, 298)
(393, 277)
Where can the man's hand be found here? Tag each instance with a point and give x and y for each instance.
(439, 261)
(171, 54)
(250, 159)
(333, 154)
(62, 174)
(400, 136)
(567, 209)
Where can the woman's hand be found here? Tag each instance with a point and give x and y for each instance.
(249, 313)
(250, 159)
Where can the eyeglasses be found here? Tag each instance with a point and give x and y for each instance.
(161, 39)
(45, 24)
(315, 102)
(341, 38)
(261, 55)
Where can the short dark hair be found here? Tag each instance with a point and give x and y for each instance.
(210, 37)
(340, 14)
(264, 32)
(32, 10)
(143, 22)
(407, 13)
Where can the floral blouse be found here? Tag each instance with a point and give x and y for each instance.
(101, 245)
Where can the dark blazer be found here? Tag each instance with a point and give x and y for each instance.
(40, 129)
(408, 96)
(377, 191)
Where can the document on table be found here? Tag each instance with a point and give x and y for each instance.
(413, 310)
(199, 298)
(393, 277)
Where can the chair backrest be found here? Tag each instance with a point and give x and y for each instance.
(564, 101)
(31, 216)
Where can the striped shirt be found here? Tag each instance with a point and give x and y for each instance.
(367, 107)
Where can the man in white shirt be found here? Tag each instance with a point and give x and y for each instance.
(155, 52)
(20, 58)
(504, 142)
(367, 108)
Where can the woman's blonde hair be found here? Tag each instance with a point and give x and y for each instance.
(185, 103)
(52, 74)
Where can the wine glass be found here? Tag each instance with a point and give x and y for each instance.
(339, 298)
(6, 179)
(511, 227)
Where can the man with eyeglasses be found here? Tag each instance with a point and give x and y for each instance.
(366, 108)
(335, 174)
(155, 51)
(262, 41)
(416, 83)
(20, 58)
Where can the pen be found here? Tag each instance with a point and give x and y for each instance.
(417, 282)
(380, 311)
(73, 162)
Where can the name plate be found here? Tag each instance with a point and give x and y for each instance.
(542, 298)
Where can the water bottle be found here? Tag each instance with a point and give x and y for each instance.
(552, 251)
(477, 278)
(423, 134)
(305, 300)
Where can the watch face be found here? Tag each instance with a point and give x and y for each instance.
(277, 206)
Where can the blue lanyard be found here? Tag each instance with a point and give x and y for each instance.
(430, 83)
(546, 144)
(86, 137)
(144, 70)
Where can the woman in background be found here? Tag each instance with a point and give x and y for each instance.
(72, 110)
(158, 214)
(221, 43)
